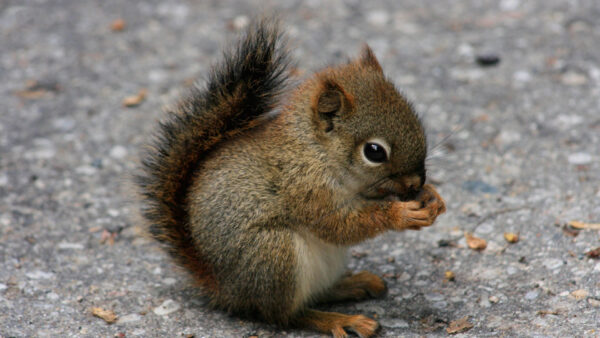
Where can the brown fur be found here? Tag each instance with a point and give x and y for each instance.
(228, 190)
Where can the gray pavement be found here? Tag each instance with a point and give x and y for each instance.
(516, 149)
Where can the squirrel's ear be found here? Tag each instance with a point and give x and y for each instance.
(329, 101)
(368, 59)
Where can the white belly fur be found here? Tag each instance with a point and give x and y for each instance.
(320, 265)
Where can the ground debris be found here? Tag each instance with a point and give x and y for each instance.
(432, 323)
(475, 243)
(135, 100)
(359, 254)
(108, 237)
(108, 315)
(595, 253)
(583, 225)
(579, 294)
(449, 276)
(117, 25)
(543, 313)
(37, 89)
(511, 237)
(570, 231)
(442, 243)
(459, 325)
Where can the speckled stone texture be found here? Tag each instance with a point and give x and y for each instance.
(515, 148)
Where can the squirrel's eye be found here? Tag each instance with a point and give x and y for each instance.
(375, 152)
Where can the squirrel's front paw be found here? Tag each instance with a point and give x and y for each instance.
(418, 213)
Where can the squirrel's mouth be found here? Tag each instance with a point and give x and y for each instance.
(396, 188)
(383, 194)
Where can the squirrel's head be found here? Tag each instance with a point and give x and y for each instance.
(368, 126)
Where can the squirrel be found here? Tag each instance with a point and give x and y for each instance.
(259, 195)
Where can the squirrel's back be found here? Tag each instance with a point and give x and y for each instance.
(240, 90)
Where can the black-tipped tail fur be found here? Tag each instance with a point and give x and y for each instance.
(241, 89)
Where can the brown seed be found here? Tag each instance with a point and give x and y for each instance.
(134, 100)
(117, 25)
(449, 275)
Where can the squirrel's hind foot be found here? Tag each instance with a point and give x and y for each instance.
(337, 323)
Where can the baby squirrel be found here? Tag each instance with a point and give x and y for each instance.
(260, 197)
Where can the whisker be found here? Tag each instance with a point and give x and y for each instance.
(454, 130)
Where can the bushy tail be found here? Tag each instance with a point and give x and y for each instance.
(242, 88)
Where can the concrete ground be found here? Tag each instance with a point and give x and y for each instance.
(509, 91)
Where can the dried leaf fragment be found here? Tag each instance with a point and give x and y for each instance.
(108, 315)
(459, 325)
(579, 294)
(542, 313)
(37, 89)
(511, 237)
(108, 237)
(570, 231)
(475, 243)
(583, 225)
(117, 25)
(594, 253)
(135, 100)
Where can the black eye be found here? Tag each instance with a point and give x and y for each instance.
(375, 152)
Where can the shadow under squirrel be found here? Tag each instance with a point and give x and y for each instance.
(259, 198)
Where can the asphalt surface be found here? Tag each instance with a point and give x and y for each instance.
(510, 94)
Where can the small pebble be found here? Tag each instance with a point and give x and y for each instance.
(476, 186)
(240, 22)
(64, 124)
(3, 180)
(70, 246)
(167, 307)
(493, 299)
(37, 274)
(487, 60)
(86, 170)
(522, 76)
(580, 158)
(552, 263)
(531, 295)
(52, 296)
(573, 79)
(434, 297)
(130, 318)
(393, 323)
(365, 307)
(378, 17)
(97, 163)
(118, 152)
(509, 5)
(169, 281)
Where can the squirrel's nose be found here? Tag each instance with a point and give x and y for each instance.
(406, 187)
